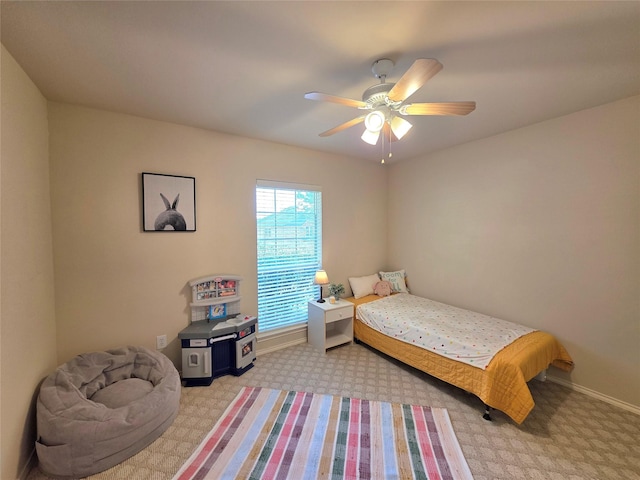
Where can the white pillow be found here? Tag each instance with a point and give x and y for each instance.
(398, 285)
(363, 286)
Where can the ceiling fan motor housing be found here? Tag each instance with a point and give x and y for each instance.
(376, 95)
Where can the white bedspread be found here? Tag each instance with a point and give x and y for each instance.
(455, 333)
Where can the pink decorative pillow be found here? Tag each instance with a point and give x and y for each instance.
(382, 288)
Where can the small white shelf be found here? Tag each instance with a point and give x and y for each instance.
(216, 301)
(337, 339)
(220, 289)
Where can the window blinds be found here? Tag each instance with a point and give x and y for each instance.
(289, 251)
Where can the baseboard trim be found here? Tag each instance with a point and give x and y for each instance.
(272, 342)
(280, 346)
(597, 395)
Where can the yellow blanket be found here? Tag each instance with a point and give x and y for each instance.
(502, 385)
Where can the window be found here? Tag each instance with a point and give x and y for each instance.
(289, 227)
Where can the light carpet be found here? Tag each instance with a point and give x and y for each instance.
(567, 436)
(268, 434)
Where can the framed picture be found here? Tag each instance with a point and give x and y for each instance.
(215, 312)
(168, 203)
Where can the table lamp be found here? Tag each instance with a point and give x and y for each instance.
(321, 279)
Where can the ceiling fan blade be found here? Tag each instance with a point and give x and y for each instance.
(444, 108)
(323, 97)
(344, 126)
(414, 78)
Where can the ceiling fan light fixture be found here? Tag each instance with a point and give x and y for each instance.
(400, 127)
(384, 104)
(374, 121)
(370, 137)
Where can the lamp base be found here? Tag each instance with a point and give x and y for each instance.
(320, 300)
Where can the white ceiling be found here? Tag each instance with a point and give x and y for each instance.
(243, 67)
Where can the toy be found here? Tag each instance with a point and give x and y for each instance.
(382, 288)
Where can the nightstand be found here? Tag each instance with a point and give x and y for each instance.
(330, 324)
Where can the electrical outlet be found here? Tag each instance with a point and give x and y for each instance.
(161, 342)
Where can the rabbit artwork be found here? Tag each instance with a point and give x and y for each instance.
(170, 217)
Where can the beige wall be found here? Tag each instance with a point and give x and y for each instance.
(540, 225)
(117, 285)
(28, 346)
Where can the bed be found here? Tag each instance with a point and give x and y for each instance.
(501, 384)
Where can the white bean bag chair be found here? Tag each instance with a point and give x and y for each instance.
(101, 408)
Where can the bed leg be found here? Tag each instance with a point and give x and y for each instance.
(487, 412)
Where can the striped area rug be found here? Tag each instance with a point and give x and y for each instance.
(273, 434)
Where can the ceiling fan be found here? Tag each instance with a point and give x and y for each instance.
(386, 101)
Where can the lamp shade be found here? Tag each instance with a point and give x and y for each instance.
(370, 137)
(321, 278)
(374, 121)
(400, 127)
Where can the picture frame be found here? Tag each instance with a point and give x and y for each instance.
(216, 312)
(168, 203)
